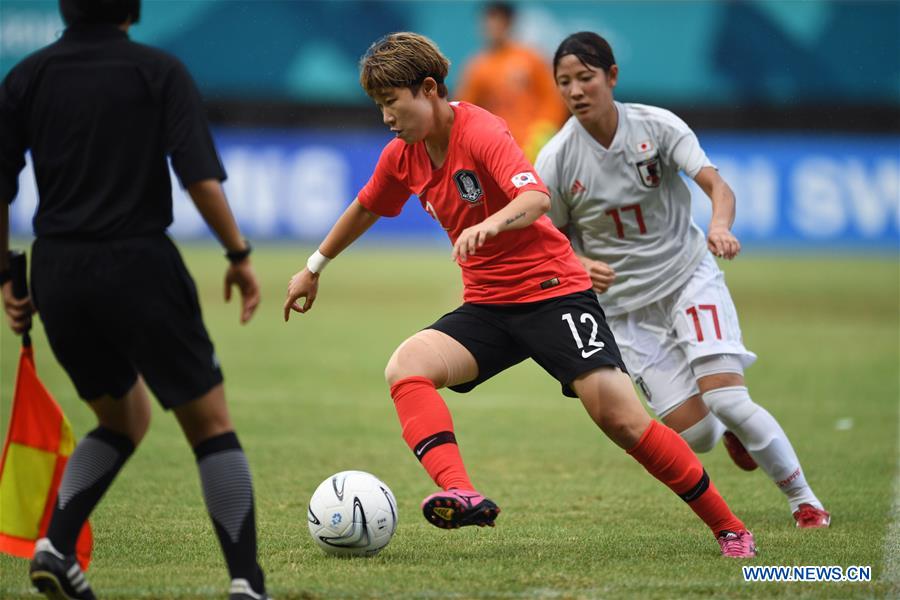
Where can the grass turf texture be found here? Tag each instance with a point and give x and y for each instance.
(580, 518)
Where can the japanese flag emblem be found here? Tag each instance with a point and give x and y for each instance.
(524, 178)
(645, 146)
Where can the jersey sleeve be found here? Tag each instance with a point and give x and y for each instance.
(189, 142)
(680, 145)
(12, 137)
(502, 158)
(385, 194)
(547, 168)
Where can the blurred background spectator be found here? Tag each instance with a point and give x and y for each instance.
(513, 81)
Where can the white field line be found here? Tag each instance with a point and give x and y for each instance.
(892, 538)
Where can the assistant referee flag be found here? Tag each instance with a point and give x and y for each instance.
(38, 444)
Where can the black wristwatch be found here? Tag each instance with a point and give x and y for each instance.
(236, 256)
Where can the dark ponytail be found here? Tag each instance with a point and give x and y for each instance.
(588, 47)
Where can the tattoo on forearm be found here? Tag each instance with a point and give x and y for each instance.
(512, 220)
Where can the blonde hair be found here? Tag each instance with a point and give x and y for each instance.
(402, 59)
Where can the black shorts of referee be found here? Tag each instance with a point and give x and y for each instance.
(114, 310)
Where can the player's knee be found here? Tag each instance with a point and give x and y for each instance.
(703, 435)
(204, 417)
(396, 368)
(414, 358)
(622, 428)
(132, 426)
(732, 405)
(128, 415)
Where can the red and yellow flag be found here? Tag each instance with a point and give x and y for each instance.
(38, 444)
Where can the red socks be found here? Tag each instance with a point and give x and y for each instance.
(667, 457)
(428, 431)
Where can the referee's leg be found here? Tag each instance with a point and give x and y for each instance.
(121, 425)
(227, 484)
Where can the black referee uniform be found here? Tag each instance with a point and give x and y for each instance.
(101, 115)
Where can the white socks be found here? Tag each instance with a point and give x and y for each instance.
(764, 439)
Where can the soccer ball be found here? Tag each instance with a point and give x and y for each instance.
(352, 513)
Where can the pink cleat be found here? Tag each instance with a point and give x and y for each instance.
(737, 544)
(457, 508)
(810, 517)
(737, 452)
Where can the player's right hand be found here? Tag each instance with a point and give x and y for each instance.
(242, 275)
(722, 243)
(602, 275)
(304, 284)
(18, 310)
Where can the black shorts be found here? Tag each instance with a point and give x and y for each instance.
(568, 336)
(116, 309)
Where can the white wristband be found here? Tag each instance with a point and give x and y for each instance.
(316, 262)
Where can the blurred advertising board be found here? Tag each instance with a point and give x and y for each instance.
(794, 191)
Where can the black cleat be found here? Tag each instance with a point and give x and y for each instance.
(457, 508)
(56, 576)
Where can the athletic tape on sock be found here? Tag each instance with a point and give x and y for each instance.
(432, 441)
(716, 364)
(698, 490)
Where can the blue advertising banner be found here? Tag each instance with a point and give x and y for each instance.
(794, 191)
(809, 190)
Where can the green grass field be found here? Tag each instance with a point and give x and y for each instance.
(580, 518)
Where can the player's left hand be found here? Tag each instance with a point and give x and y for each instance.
(471, 239)
(18, 310)
(722, 243)
(242, 275)
(304, 284)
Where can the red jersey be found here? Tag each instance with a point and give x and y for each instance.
(483, 171)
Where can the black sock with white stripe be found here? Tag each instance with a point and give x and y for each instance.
(228, 491)
(89, 472)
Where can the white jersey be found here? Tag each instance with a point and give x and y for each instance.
(626, 205)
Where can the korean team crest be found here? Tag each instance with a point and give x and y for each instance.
(468, 186)
(650, 171)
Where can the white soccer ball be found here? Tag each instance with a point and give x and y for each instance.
(352, 513)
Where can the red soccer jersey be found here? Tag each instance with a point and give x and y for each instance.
(483, 171)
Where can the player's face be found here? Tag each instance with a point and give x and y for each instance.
(408, 116)
(587, 91)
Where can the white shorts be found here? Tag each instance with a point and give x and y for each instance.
(660, 341)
